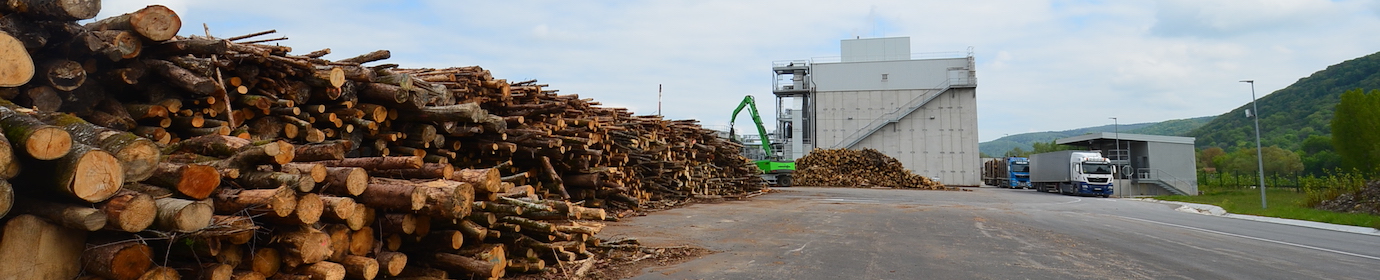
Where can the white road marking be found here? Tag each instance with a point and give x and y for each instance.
(1257, 238)
(1075, 200)
(802, 247)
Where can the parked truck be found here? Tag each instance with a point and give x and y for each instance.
(1083, 173)
(1007, 172)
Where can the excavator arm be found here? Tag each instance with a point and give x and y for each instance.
(751, 104)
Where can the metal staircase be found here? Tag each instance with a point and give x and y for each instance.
(898, 114)
(1160, 178)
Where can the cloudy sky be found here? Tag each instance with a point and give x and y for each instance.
(1037, 61)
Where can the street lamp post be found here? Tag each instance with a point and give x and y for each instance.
(1259, 161)
(1117, 127)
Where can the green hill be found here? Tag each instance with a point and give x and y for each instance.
(1024, 140)
(1290, 115)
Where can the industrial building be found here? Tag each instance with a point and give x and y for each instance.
(918, 108)
(1148, 165)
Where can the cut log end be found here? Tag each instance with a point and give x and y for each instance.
(48, 143)
(198, 181)
(156, 22)
(16, 66)
(98, 176)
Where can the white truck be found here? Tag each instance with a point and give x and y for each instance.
(1083, 173)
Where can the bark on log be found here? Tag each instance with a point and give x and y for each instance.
(118, 261)
(138, 156)
(182, 78)
(362, 241)
(16, 64)
(391, 263)
(42, 98)
(6, 198)
(161, 273)
(265, 261)
(236, 230)
(55, 9)
(129, 211)
(323, 271)
(375, 163)
(280, 202)
(360, 267)
(303, 245)
(62, 74)
(460, 263)
(332, 150)
(317, 172)
(349, 181)
(393, 194)
(273, 180)
(487, 179)
(368, 57)
(32, 137)
(155, 22)
(182, 215)
(71, 216)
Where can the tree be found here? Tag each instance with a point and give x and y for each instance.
(1207, 156)
(1354, 133)
(1318, 155)
(1277, 161)
(1040, 147)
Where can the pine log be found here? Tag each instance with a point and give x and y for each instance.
(121, 44)
(308, 211)
(265, 261)
(62, 74)
(368, 57)
(401, 223)
(193, 180)
(182, 78)
(71, 216)
(338, 208)
(486, 179)
(236, 230)
(138, 156)
(349, 181)
(376, 163)
(481, 268)
(331, 150)
(393, 194)
(340, 241)
(391, 263)
(248, 275)
(303, 245)
(317, 172)
(126, 260)
(17, 65)
(280, 202)
(155, 22)
(161, 273)
(273, 180)
(444, 239)
(467, 112)
(213, 271)
(32, 137)
(447, 199)
(360, 267)
(182, 215)
(129, 211)
(362, 241)
(324, 270)
(30, 245)
(55, 10)
(426, 171)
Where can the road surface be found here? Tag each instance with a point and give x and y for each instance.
(989, 233)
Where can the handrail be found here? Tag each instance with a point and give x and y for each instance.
(893, 116)
(1159, 175)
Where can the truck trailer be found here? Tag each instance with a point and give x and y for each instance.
(1007, 172)
(1083, 173)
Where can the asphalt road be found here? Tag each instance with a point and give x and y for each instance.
(989, 233)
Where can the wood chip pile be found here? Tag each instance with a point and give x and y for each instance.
(138, 154)
(857, 168)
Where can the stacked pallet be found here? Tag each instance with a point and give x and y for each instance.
(857, 168)
(145, 155)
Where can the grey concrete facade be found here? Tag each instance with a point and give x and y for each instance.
(922, 112)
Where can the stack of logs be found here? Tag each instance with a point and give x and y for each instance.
(857, 168)
(139, 154)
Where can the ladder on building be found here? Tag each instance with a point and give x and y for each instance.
(896, 115)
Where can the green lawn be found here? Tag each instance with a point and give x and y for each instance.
(1283, 204)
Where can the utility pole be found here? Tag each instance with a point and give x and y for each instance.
(1259, 161)
(1117, 127)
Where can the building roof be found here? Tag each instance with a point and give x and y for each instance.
(1125, 137)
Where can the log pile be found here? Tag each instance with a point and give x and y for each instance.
(146, 155)
(858, 168)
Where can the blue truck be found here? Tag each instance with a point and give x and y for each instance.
(1008, 172)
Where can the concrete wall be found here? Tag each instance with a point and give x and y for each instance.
(875, 49)
(937, 140)
(900, 75)
(1177, 160)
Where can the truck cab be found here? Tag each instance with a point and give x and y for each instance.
(1092, 175)
(1020, 172)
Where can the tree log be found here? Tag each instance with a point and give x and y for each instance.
(273, 180)
(16, 66)
(317, 172)
(331, 150)
(303, 245)
(71, 216)
(138, 156)
(280, 202)
(350, 181)
(125, 260)
(324, 270)
(467, 112)
(161, 273)
(182, 78)
(360, 267)
(155, 22)
(265, 261)
(42, 98)
(193, 180)
(375, 163)
(30, 248)
(129, 211)
(469, 265)
(182, 215)
(392, 263)
(32, 137)
(393, 194)
(487, 179)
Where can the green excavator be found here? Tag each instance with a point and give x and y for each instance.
(774, 170)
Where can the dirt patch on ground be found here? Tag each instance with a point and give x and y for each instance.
(620, 262)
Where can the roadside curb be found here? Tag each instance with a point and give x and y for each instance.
(1214, 210)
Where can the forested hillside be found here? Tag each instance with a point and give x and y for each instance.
(1025, 140)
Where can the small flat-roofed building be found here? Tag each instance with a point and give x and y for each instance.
(1148, 165)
